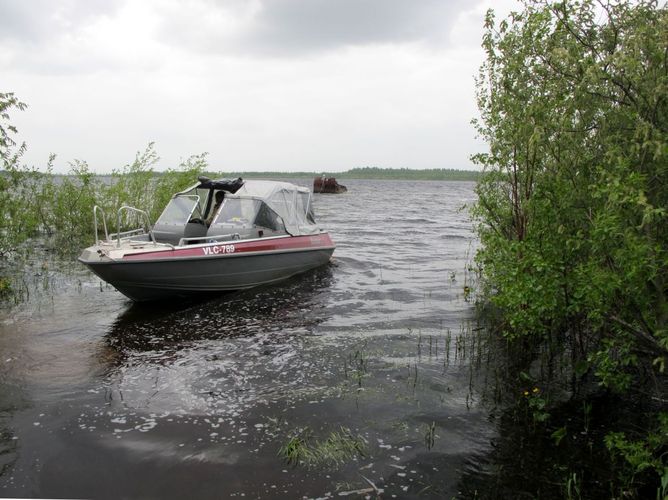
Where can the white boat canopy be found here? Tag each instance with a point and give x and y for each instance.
(292, 203)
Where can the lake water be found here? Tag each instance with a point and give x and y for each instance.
(105, 399)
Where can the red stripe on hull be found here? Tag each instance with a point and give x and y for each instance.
(234, 247)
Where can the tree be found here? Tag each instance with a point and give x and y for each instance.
(9, 157)
(11, 174)
(572, 203)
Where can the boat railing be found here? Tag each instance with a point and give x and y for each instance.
(127, 234)
(210, 239)
(97, 209)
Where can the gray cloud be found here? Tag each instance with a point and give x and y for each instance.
(39, 21)
(103, 78)
(295, 24)
(50, 37)
(45, 37)
(293, 27)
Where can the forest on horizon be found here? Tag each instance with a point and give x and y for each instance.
(436, 174)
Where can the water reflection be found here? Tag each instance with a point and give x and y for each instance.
(221, 356)
(298, 303)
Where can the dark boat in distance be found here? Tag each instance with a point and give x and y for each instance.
(262, 232)
(327, 185)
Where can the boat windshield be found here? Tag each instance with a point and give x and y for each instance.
(179, 210)
(237, 211)
(247, 211)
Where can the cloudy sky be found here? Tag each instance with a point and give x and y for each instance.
(258, 84)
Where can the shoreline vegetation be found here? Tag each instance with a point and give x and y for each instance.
(573, 259)
(37, 201)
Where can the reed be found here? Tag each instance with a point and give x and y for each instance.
(36, 202)
(336, 449)
(430, 436)
(57, 210)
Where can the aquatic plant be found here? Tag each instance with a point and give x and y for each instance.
(536, 405)
(355, 365)
(296, 450)
(642, 455)
(430, 436)
(337, 448)
(5, 287)
(573, 487)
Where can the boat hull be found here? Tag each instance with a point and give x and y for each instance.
(157, 275)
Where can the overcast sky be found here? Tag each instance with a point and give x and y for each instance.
(258, 84)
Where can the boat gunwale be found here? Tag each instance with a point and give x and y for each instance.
(171, 257)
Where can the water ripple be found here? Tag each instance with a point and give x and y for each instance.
(366, 342)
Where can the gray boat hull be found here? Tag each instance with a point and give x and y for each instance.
(182, 272)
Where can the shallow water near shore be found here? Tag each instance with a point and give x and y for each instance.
(103, 398)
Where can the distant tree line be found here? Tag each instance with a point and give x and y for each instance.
(434, 174)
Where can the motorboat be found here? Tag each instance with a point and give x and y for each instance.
(217, 235)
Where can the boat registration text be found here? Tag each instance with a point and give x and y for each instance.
(218, 249)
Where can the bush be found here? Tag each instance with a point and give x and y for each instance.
(572, 203)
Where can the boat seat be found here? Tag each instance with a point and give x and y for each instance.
(243, 230)
(172, 233)
(194, 230)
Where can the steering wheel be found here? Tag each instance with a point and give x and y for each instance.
(196, 220)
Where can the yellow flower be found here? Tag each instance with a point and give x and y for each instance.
(526, 393)
(535, 390)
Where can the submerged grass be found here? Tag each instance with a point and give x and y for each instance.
(5, 287)
(337, 448)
